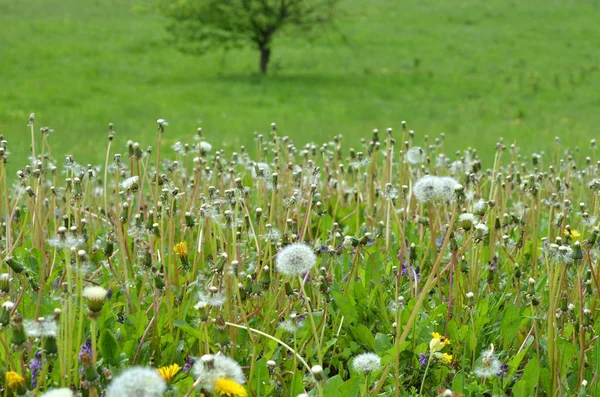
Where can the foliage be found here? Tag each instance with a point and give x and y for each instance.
(202, 25)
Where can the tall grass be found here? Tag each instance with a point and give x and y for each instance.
(382, 267)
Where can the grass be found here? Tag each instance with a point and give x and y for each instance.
(474, 70)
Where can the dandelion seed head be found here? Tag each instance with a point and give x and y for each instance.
(489, 366)
(434, 188)
(63, 392)
(210, 368)
(295, 259)
(415, 155)
(366, 363)
(138, 382)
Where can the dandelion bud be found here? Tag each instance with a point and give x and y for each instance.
(5, 313)
(81, 254)
(4, 283)
(189, 220)
(317, 372)
(265, 277)
(16, 266)
(156, 229)
(577, 253)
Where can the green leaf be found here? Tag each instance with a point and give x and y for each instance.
(511, 322)
(333, 386)
(529, 380)
(188, 329)
(109, 347)
(382, 343)
(362, 335)
(347, 307)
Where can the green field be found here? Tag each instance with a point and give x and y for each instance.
(472, 69)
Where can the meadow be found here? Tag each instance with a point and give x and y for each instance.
(344, 268)
(473, 70)
(216, 254)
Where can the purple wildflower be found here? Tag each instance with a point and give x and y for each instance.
(503, 370)
(85, 349)
(423, 359)
(189, 362)
(35, 366)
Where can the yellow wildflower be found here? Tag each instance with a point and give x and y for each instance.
(572, 233)
(14, 380)
(444, 357)
(230, 388)
(438, 342)
(181, 250)
(169, 372)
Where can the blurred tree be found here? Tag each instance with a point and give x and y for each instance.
(202, 25)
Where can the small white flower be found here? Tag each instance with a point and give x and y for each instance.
(295, 259)
(138, 382)
(366, 363)
(162, 122)
(209, 368)
(470, 295)
(64, 392)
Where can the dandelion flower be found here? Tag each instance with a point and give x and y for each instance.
(169, 372)
(14, 380)
(181, 250)
(63, 392)
(572, 233)
(230, 388)
(295, 259)
(366, 363)
(139, 382)
(210, 368)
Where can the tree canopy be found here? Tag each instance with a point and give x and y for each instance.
(199, 26)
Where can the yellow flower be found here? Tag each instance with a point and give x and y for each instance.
(230, 388)
(572, 233)
(444, 357)
(181, 250)
(14, 380)
(169, 372)
(438, 342)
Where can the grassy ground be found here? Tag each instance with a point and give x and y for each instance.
(474, 70)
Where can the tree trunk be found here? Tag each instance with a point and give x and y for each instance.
(265, 55)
